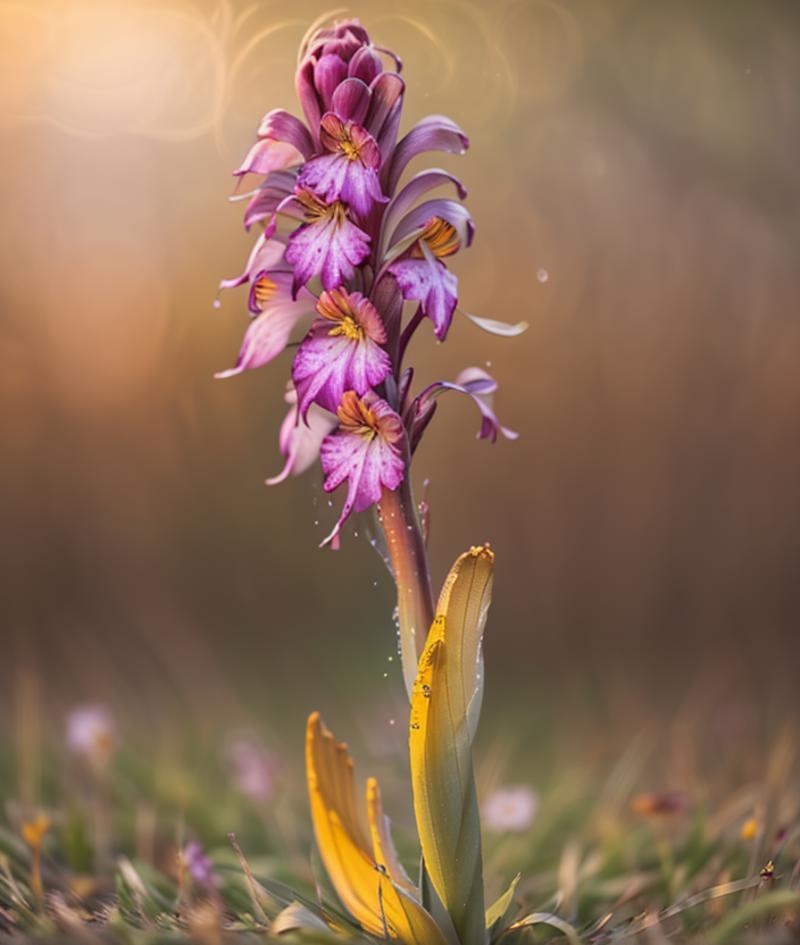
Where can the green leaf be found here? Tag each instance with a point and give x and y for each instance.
(547, 918)
(497, 915)
(765, 905)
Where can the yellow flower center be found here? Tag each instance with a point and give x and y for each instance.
(348, 327)
(348, 149)
(316, 210)
(264, 289)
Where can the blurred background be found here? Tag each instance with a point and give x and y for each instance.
(634, 179)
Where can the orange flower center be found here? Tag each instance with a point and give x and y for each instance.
(317, 210)
(264, 289)
(356, 417)
(441, 237)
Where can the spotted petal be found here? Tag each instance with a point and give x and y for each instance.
(330, 247)
(342, 351)
(364, 452)
(429, 282)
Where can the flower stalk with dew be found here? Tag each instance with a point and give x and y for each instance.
(345, 247)
(354, 257)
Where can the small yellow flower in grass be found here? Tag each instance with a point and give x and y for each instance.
(749, 829)
(33, 833)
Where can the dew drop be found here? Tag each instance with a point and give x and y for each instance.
(216, 304)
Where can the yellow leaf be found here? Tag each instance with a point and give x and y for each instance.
(444, 711)
(366, 875)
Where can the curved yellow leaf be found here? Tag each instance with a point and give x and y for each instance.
(444, 709)
(382, 846)
(364, 884)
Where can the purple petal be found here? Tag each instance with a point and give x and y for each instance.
(331, 360)
(266, 156)
(418, 185)
(269, 195)
(267, 335)
(300, 442)
(366, 64)
(434, 133)
(325, 367)
(385, 108)
(429, 282)
(328, 248)
(334, 177)
(279, 125)
(369, 463)
(351, 101)
(307, 93)
(449, 210)
(329, 72)
(480, 387)
(265, 255)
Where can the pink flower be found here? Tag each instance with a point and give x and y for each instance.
(91, 731)
(365, 451)
(342, 351)
(510, 809)
(253, 769)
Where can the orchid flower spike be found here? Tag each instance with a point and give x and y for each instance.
(343, 244)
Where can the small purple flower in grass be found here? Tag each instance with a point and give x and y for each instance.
(328, 244)
(300, 442)
(341, 352)
(254, 769)
(365, 451)
(349, 171)
(199, 865)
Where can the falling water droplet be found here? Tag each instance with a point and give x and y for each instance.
(542, 275)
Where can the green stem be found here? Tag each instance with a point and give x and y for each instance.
(409, 560)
